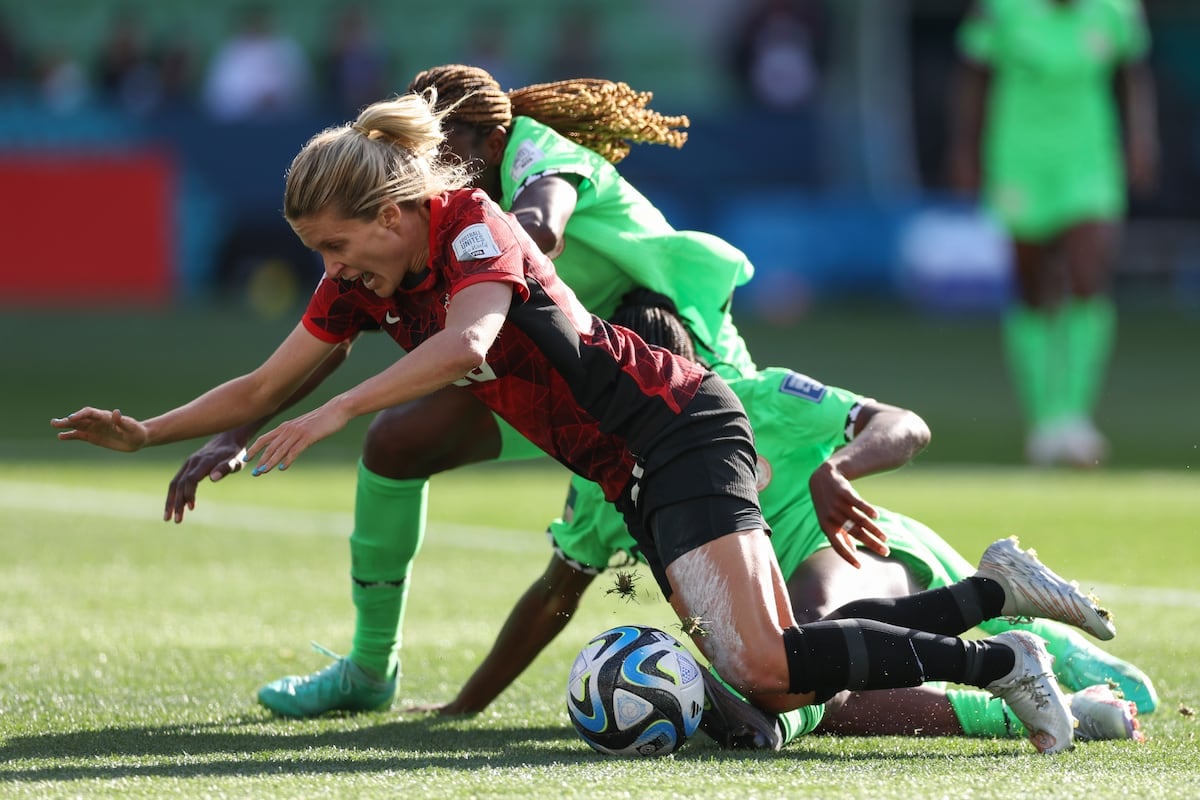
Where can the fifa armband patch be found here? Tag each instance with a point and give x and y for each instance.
(803, 386)
(527, 154)
(475, 242)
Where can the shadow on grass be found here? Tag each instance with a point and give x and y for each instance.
(249, 747)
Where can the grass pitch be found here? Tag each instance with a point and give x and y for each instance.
(130, 649)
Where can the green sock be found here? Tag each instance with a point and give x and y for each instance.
(791, 723)
(984, 716)
(800, 721)
(1090, 326)
(1028, 345)
(389, 524)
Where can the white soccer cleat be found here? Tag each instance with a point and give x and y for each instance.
(1072, 442)
(1031, 589)
(1032, 693)
(1081, 444)
(1102, 715)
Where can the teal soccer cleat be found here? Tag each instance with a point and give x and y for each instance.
(1081, 664)
(342, 686)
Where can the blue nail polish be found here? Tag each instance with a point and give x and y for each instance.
(257, 470)
(282, 467)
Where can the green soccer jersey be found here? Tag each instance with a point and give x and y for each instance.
(1051, 148)
(798, 422)
(616, 240)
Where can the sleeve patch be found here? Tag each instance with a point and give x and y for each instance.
(803, 386)
(527, 153)
(475, 242)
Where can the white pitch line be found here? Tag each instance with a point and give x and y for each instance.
(70, 500)
(1111, 594)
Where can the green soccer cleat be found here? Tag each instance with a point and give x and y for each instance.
(342, 686)
(1081, 664)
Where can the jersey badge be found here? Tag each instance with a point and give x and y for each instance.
(762, 474)
(803, 386)
(475, 242)
(527, 153)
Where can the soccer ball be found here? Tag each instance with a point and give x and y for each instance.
(635, 691)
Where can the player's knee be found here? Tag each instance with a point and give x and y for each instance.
(435, 433)
(837, 702)
(825, 583)
(762, 674)
(396, 446)
(811, 592)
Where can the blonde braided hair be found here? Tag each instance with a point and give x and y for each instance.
(604, 116)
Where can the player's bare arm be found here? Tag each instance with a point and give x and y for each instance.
(473, 320)
(235, 402)
(967, 120)
(886, 437)
(543, 209)
(222, 454)
(1136, 96)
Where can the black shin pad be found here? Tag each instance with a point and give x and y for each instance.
(829, 656)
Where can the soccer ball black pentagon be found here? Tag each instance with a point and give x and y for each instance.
(635, 691)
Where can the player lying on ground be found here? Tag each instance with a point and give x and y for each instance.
(474, 302)
(801, 432)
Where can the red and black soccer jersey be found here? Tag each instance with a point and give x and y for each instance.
(588, 393)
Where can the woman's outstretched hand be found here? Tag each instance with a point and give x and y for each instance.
(110, 429)
(281, 446)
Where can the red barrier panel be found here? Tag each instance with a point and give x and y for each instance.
(86, 228)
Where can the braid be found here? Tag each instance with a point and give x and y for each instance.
(471, 94)
(601, 115)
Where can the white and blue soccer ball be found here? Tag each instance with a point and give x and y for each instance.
(635, 691)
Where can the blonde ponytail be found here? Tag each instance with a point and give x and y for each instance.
(388, 154)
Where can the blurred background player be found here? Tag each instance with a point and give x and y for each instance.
(812, 441)
(1047, 88)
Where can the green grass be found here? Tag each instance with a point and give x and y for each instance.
(130, 649)
(948, 369)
